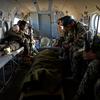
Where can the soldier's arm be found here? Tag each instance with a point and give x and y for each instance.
(88, 79)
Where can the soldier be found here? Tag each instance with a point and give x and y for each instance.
(22, 29)
(73, 39)
(73, 32)
(86, 87)
(13, 39)
(97, 90)
(14, 35)
(73, 44)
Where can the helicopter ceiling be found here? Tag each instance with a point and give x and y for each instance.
(71, 7)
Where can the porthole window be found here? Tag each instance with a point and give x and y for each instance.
(94, 24)
(16, 20)
(98, 29)
(5, 26)
(92, 21)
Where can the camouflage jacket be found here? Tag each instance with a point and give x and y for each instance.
(91, 75)
(76, 36)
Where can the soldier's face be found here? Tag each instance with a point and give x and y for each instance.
(67, 28)
(60, 27)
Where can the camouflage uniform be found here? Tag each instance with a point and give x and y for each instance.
(18, 37)
(86, 87)
(74, 39)
(97, 90)
(76, 49)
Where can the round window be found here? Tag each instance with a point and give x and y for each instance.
(5, 26)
